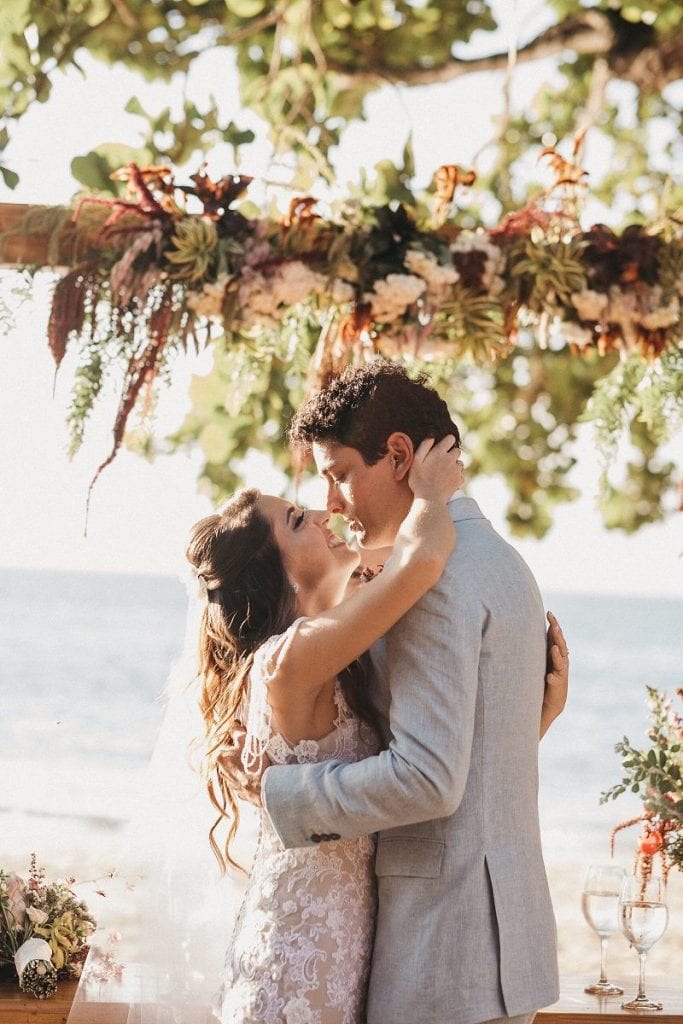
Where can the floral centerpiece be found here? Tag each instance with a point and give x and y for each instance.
(656, 774)
(44, 930)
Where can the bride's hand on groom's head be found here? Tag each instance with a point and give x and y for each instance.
(245, 786)
(437, 469)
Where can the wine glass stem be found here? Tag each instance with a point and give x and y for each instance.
(641, 976)
(603, 959)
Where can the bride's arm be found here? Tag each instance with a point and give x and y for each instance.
(326, 643)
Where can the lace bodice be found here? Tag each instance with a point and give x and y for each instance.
(301, 947)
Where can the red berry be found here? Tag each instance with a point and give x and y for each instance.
(650, 842)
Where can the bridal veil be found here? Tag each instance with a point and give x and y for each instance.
(165, 925)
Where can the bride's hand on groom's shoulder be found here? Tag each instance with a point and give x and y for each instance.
(557, 672)
(244, 785)
(436, 471)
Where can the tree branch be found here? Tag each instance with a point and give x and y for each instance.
(255, 25)
(589, 32)
(651, 64)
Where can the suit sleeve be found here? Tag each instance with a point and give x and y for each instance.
(433, 663)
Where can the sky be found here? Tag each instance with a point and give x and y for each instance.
(141, 512)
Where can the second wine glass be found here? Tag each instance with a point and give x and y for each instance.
(600, 905)
(644, 917)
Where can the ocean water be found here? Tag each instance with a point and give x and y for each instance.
(84, 660)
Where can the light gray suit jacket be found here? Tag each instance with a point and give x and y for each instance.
(465, 928)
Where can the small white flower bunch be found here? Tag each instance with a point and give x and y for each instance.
(392, 295)
(590, 305)
(660, 316)
(209, 301)
(438, 277)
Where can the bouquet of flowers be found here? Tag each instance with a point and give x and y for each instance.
(656, 773)
(44, 930)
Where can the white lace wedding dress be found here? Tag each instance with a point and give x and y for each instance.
(300, 951)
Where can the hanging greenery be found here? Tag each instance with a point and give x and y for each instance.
(168, 265)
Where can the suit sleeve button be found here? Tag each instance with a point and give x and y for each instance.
(315, 838)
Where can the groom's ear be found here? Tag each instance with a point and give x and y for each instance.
(401, 454)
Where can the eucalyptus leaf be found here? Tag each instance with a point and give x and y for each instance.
(11, 178)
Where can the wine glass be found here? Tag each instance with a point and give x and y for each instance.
(644, 916)
(600, 905)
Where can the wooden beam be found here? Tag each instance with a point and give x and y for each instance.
(45, 236)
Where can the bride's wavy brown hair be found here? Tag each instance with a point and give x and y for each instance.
(249, 599)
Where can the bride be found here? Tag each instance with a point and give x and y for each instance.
(281, 640)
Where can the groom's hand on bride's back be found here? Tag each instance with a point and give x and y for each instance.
(557, 674)
(244, 785)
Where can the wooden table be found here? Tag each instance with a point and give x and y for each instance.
(573, 1006)
(577, 1007)
(18, 1008)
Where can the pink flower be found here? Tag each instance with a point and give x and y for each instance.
(36, 915)
(15, 893)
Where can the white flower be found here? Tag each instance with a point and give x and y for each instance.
(209, 301)
(469, 240)
(574, 334)
(391, 297)
(439, 278)
(256, 299)
(298, 1011)
(664, 316)
(295, 282)
(36, 915)
(589, 305)
(341, 292)
(623, 311)
(256, 251)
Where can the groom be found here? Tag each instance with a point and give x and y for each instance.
(465, 927)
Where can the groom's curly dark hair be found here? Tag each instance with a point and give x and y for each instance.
(363, 406)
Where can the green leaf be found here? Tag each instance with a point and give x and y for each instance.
(337, 13)
(96, 11)
(215, 442)
(245, 8)
(15, 15)
(11, 178)
(94, 170)
(409, 157)
(236, 136)
(133, 106)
